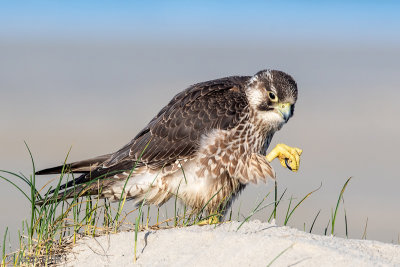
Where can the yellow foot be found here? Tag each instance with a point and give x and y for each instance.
(210, 220)
(288, 156)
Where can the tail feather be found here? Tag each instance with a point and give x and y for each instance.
(69, 193)
(65, 191)
(92, 180)
(76, 181)
(83, 166)
(76, 191)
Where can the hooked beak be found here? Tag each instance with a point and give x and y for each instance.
(284, 109)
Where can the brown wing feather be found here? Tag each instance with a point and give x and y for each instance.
(176, 131)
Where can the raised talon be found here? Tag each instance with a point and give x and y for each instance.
(288, 165)
(289, 157)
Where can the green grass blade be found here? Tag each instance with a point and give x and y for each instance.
(337, 205)
(301, 201)
(205, 205)
(288, 210)
(140, 211)
(122, 198)
(4, 248)
(255, 210)
(175, 205)
(31, 156)
(326, 228)
(17, 187)
(276, 206)
(315, 218)
(345, 219)
(364, 236)
(21, 176)
(183, 172)
(280, 254)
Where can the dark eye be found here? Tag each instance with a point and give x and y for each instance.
(272, 96)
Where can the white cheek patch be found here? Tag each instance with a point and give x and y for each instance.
(255, 97)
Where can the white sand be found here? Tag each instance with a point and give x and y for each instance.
(255, 244)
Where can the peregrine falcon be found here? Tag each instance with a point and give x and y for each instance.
(204, 147)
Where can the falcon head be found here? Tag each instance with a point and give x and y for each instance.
(272, 95)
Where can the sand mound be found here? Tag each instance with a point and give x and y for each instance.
(254, 244)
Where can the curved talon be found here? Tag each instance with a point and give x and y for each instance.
(289, 157)
(288, 165)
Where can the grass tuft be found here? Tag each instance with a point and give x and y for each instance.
(53, 228)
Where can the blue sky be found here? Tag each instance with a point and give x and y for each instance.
(339, 20)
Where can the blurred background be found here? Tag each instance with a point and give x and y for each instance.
(89, 75)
